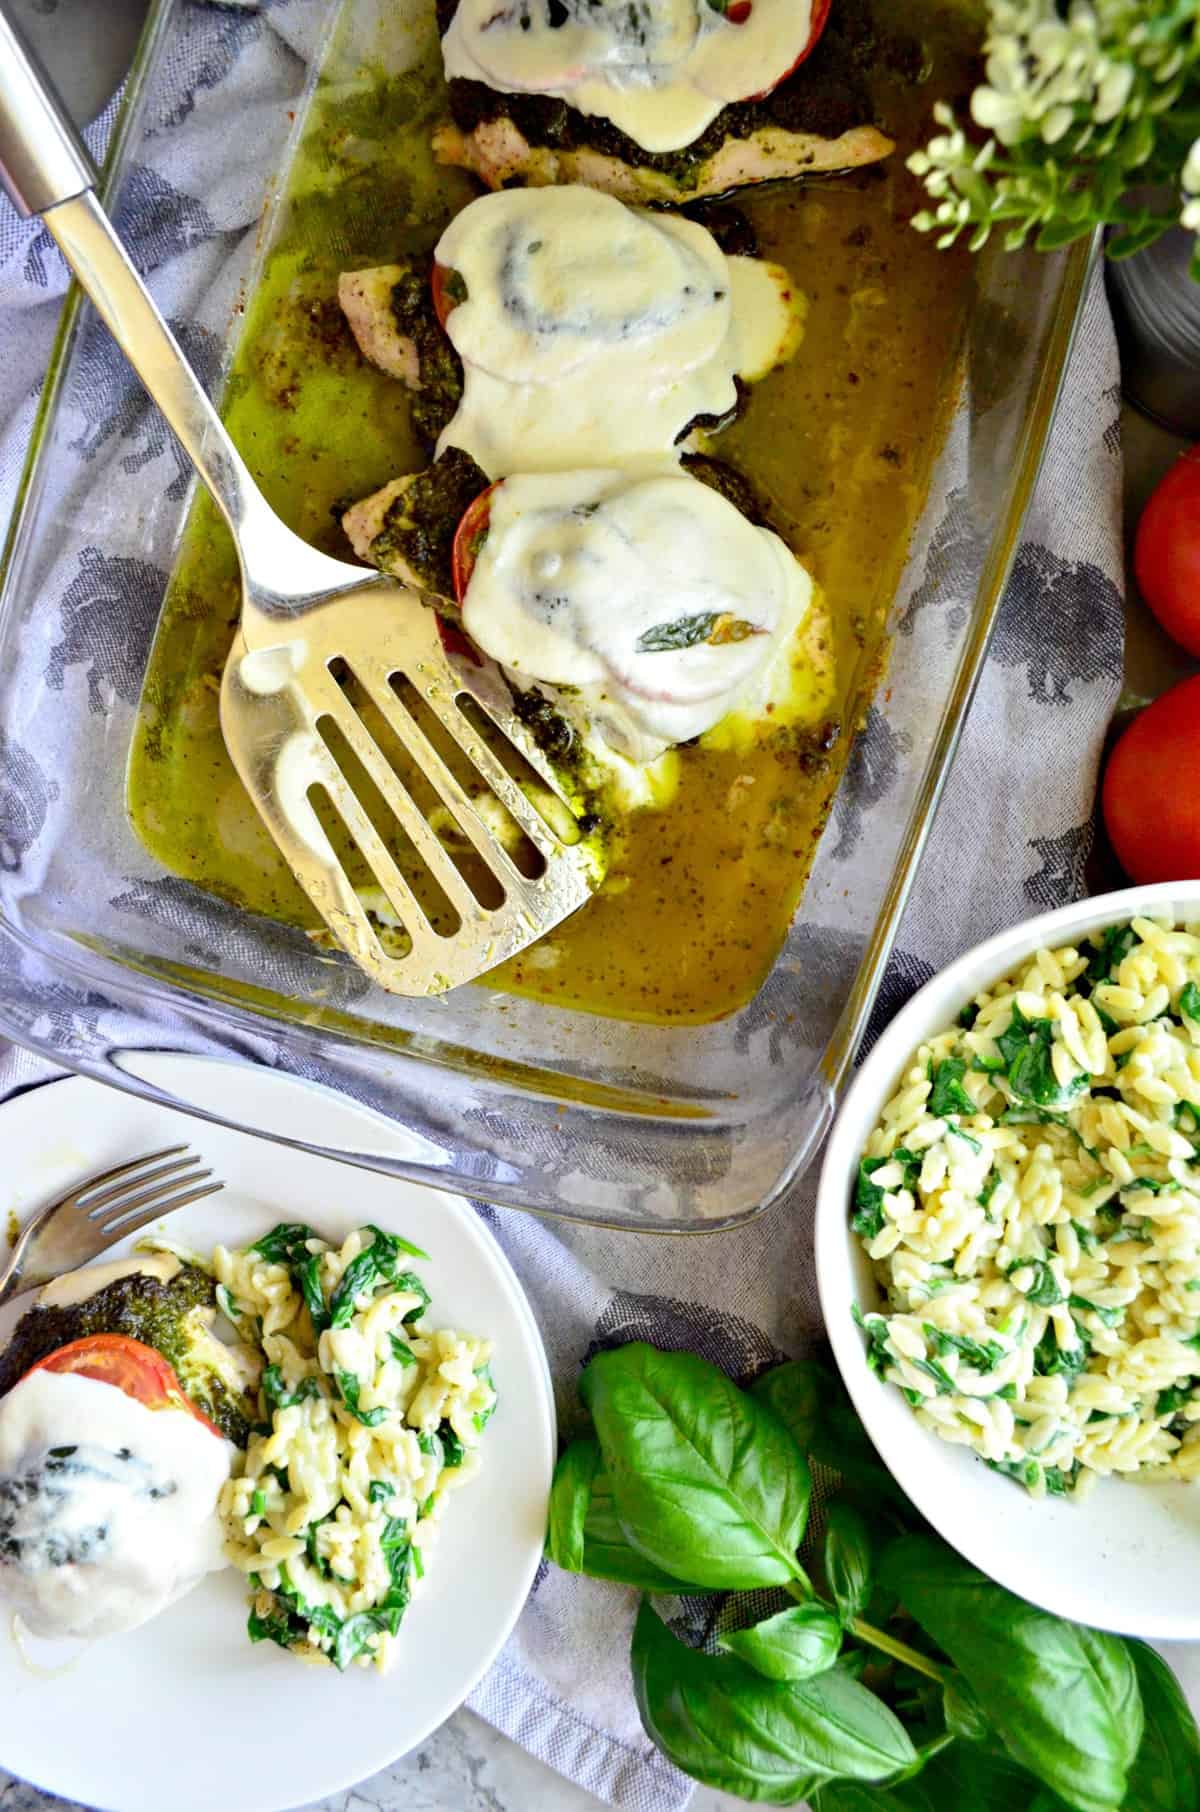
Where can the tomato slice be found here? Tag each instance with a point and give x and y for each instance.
(138, 1370)
(820, 16)
(448, 291)
(469, 537)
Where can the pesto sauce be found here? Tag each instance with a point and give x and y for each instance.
(140, 1308)
(841, 441)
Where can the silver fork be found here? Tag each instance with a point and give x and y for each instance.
(97, 1213)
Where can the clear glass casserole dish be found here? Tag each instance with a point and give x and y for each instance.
(104, 954)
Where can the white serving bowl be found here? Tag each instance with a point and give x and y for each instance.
(1125, 1558)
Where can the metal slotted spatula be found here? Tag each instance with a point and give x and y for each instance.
(384, 767)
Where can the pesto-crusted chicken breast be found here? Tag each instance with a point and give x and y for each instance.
(657, 100)
(558, 328)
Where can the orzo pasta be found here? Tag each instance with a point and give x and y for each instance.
(1031, 1199)
(368, 1420)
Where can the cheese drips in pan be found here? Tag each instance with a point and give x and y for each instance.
(660, 70)
(592, 333)
(650, 596)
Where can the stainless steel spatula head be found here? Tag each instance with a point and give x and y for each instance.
(412, 806)
(376, 759)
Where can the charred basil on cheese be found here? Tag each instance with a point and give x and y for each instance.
(646, 601)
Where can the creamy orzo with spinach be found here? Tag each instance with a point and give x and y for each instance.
(1031, 1199)
(368, 1420)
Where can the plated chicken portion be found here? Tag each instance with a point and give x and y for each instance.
(656, 100)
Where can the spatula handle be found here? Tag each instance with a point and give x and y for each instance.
(47, 171)
(43, 160)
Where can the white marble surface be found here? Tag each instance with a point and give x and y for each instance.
(466, 1766)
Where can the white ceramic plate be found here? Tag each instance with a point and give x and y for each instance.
(186, 1713)
(1127, 1557)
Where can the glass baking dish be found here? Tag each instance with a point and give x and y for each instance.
(104, 955)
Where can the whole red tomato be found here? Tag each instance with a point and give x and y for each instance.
(1150, 797)
(1166, 553)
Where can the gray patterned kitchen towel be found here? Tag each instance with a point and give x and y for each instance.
(1012, 835)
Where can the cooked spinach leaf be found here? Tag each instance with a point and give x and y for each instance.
(981, 1355)
(948, 1096)
(349, 1389)
(1026, 1046)
(1044, 1290)
(377, 1264)
(277, 1393)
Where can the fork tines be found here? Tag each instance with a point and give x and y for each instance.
(127, 1197)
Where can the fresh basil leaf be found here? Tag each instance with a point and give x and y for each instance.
(948, 1096)
(794, 1644)
(793, 1393)
(959, 1779)
(608, 1555)
(727, 1727)
(848, 1560)
(584, 1535)
(707, 1483)
(1166, 1775)
(842, 1445)
(965, 1716)
(570, 1496)
(1064, 1698)
(349, 1387)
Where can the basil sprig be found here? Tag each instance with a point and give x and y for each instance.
(698, 1468)
(903, 1680)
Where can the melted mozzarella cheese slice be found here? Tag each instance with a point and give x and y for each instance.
(660, 70)
(648, 593)
(593, 333)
